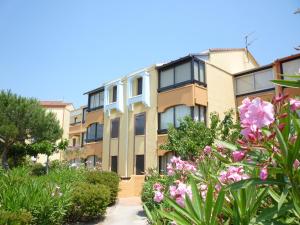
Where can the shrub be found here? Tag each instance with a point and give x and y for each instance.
(89, 201)
(110, 179)
(38, 169)
(21, 217)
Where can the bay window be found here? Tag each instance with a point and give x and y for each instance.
(180, 73)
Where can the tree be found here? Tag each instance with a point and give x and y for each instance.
(189, 138)
(192, 136)
(23, 122)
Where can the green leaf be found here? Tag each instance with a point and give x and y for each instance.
(273, 213)
(197, 200)
(283, 144)
(226, 145)
(217, 207)
(208, 203)
(282, 198)
(178, 218)
(288, 83)
(252, 181)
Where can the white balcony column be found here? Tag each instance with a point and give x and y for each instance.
(146, 89)
(129, 92)
(120, 96)
(106, 100)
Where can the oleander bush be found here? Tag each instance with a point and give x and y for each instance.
(89, 201)
(255, 180)
(31, 197)
(109, 179)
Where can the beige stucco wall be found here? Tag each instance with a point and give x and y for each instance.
(63, 116)
(130, 145)
(232, 61)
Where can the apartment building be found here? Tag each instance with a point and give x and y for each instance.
(62, 111)
(126, 119)
(256, 82)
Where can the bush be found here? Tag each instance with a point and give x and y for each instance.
(147, 192)
(21, 217)
(110, 179)
(38, 169)
(89, 201)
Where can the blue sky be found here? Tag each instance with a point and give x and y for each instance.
(58, 49)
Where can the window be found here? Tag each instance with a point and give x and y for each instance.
(139, 165)
(74, 142)
(96, 100)
(115, 128)
(92, 161)
(173, 116)
(94, 132)
(114, 164)
(260, 80)
(163, 162)
(166, 78)
(199, 71)
(139, 124)
(200, 113)
(292, 68)
(139, 86)
(182, 73)
(84, 112)
(114, 94)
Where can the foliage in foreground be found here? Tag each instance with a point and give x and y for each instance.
(258, 177)
(26, 198)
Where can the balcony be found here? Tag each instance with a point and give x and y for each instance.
(144, 97)
(109, 102)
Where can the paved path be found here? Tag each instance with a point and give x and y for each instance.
(127, 211)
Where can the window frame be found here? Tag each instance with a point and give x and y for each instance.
(89, 109)
(111, 128)
(192, 79)
(164, 131)
(95, 139)
(135, 124)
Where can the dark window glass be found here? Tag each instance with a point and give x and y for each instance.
(139, 86)
(139, 124)
(99, 132)
(74, 142)
(114, 97)
(83, 138)
(114, 128)
(95, 132)
(84, 112)
(114, 164)
(91, 132)
(96, 100)
(139, 165)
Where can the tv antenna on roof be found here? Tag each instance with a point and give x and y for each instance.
(249, 42)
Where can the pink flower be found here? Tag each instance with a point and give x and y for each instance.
(157, 187)
(232, 175)
(296, 164)
(207, 150)
(158, 196)
(295, 104)
(170, 170)
(254, 115)
(263, 173)
(178, 192)
(203, 190)
(238, 156)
